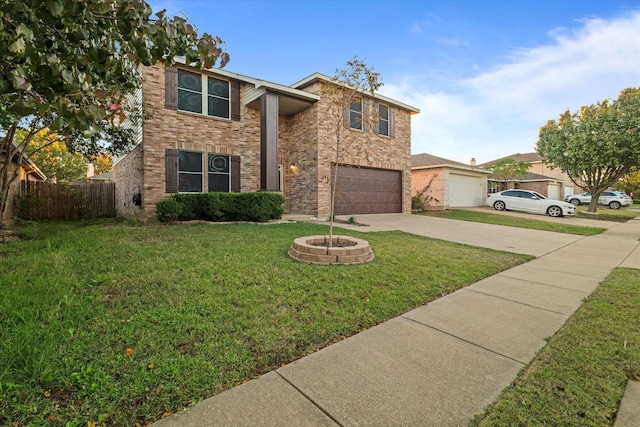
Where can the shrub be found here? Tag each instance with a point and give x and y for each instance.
(258, 206)
(168, 210)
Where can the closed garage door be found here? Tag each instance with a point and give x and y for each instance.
(465, 191)
(368, 191)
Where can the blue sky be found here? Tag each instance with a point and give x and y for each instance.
(486, 74)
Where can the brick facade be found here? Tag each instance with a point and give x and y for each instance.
(304, 141)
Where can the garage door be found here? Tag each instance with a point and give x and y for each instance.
(465, 191)
(368, 191)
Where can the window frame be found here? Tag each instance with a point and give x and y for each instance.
(205, 95)
(209, 172)
(387, 120)
(358, 100)
(185, 172)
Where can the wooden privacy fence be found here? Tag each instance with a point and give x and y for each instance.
(41, 200)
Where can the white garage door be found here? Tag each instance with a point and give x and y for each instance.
(553, 192)
(465, 191)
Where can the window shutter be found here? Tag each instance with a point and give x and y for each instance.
(171, 170)
(171, 88)
(235, 174)
(376, 121)
(235, 100)
(365, 115)
(392, 122)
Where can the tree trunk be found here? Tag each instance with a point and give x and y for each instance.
(8, 174)
(593, 205)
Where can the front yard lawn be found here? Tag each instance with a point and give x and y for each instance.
(513, 221)
(603, 213)
(579, 378)
(118, 325)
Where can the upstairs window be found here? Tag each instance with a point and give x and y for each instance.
(217, 98)
(189, 91)
(355, 114)
(383, 120)
(211, 98)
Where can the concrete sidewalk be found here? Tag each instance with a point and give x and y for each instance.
(441, 363)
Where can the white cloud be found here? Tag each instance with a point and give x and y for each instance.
(499, 112)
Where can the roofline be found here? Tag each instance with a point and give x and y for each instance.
(449, 165)
(315, 77)
(275, 87)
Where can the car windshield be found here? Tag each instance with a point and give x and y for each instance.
(538, 195)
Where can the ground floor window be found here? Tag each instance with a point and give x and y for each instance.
(189, 172)
(219, 172)
(197, 172)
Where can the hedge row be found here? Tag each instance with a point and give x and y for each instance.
(258, 207)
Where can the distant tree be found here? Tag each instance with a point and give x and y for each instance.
(102, 163)
(70, 66)
(50, 154)
(347, 86)
(507, 170)
(630, 183)
(597, 145)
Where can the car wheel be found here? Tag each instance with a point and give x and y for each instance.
(554, 211)
(575, 202)
(614, 205)
(499, 205)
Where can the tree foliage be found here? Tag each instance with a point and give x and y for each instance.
(70, 66)
(50, 154)
(345, 87)
(102, 163)
(597, 145)
(508, 170)
(630, 183)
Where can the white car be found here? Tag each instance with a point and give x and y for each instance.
(529, 201)
(613, 199)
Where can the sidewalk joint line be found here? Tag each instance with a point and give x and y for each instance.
(522, 303)
(464, 340)
(313, 402)
(544, 284)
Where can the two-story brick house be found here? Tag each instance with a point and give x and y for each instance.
(214, 130)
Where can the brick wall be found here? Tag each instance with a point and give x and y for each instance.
(127, 174)
(433, 178)
(193, 132)
(367, 149)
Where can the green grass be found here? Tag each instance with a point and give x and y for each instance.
(579, 378)
(603, 213)
(512, 221)
(117, 325)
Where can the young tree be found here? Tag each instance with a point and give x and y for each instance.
(69, 66)
(50, 154)
(507, 169)
(346, 88)
(597, 145)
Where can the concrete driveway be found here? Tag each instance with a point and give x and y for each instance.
(511, 239)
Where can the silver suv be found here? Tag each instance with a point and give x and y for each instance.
(613, 199)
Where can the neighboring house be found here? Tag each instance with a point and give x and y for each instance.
(446, 183)
(214, 130)
(551, 183)
(28, 171)
(103, 177)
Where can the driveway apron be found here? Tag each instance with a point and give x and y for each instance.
(442, 363)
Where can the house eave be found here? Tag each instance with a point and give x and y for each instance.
(315, 77)
(457, 167)
(291, 100)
